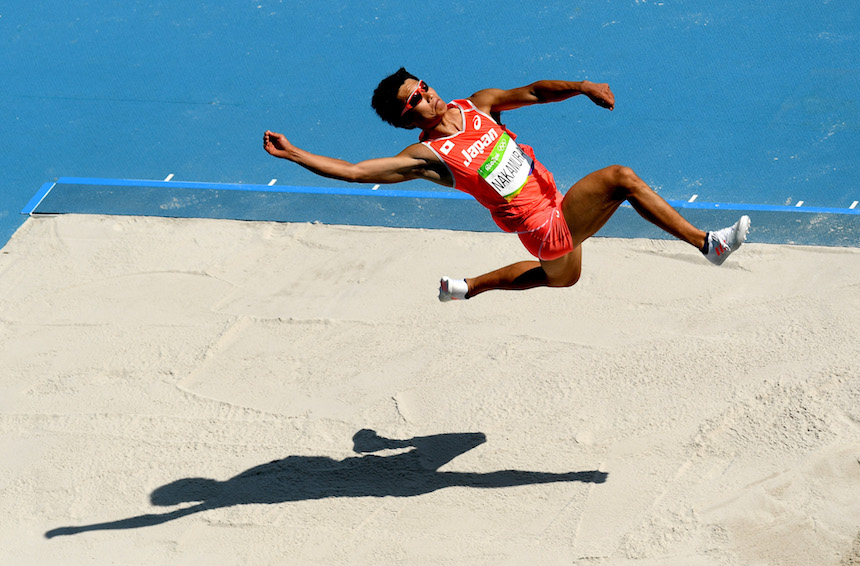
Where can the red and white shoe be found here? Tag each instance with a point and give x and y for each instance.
(723, 242)
(452, 289)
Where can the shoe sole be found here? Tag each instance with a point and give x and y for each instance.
(741, 231)
(444, 295)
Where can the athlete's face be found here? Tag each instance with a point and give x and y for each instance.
(415, 97)
(420, 99)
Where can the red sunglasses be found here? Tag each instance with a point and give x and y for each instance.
(414, 98)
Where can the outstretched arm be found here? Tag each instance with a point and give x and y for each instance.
(414, 162)
(540, 92)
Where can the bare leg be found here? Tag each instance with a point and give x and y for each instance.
(515, 277)
(587, 206)
(590, 203)
(561, 272)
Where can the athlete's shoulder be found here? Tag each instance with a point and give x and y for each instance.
(483, 106)
(484, 100)
(420, 151)
(427, 164)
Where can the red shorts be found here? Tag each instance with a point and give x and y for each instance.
(545, 234)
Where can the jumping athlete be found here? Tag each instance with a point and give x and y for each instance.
(463, 145)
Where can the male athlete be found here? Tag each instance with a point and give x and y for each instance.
(463, 145)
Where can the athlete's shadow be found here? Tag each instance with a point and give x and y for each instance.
(297, 478)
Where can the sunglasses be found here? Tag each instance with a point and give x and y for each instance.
(414, 98)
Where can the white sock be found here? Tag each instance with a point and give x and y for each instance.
(452, 289)
(458, 288)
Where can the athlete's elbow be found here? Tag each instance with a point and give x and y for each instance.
(363, 179)
(358, 174)
(336, 175)
(545, 91)
(553, 91)
(355, 174)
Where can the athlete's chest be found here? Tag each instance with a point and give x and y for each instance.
(484, 150)
(476, 136)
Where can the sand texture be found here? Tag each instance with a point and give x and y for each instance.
(203, 392)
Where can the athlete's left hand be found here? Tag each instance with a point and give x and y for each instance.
(599, 93)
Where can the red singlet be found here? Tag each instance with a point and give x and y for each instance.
(486, 162)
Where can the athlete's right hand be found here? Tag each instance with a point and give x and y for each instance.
(276, 144)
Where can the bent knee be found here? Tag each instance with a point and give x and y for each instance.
(622, 176)
(565, 280)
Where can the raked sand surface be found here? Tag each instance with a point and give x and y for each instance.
(199, 392)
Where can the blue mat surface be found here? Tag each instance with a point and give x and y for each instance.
(753, 103)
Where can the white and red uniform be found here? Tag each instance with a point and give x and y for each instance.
(486, 162)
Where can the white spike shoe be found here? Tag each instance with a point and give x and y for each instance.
(723, 242)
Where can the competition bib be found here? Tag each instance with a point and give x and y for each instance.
(507, 169)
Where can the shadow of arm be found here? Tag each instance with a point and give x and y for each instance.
(130, 523)
(512, 478)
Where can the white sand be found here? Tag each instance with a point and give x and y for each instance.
(722, 404)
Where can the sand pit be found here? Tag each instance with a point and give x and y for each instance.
(218, 392)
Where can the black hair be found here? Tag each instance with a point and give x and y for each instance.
(385, 100)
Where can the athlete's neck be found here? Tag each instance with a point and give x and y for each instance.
(448, 124)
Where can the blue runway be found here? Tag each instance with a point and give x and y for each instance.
(751, 106)
(396, 208)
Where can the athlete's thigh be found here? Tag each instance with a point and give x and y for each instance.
(564, 271)
(590, 203)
